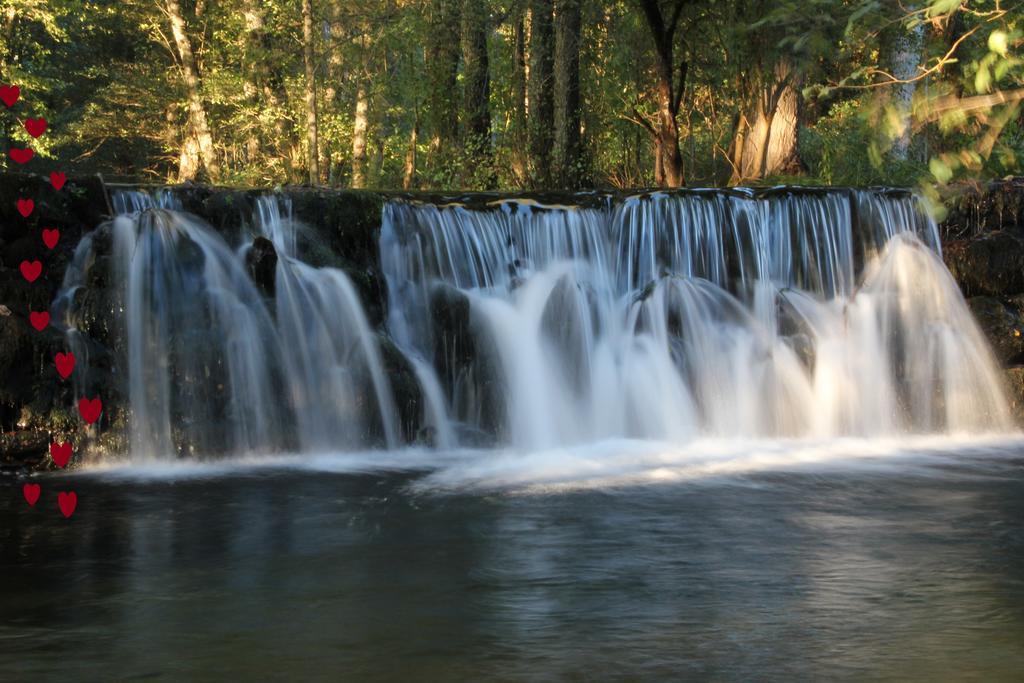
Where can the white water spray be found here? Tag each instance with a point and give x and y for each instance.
(693, 315)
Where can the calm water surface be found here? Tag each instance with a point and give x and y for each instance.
(909, 572)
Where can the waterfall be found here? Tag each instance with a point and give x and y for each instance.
(134, 201)
(667, 316)
(214, 363)
(674, 316)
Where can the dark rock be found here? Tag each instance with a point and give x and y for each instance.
(405, 388)
(464, 361)
(989, 265)
(1015, 392)
(372, 290)
(977, 209)
(23, 450)
(1002, 325)
(32, 399)
(453, 337)
(262, 263)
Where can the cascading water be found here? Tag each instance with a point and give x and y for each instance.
(212, 365)
(133, 201)
(336, 363)
(667, 317)
(677, 316)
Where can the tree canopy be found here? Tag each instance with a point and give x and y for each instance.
(508, 94)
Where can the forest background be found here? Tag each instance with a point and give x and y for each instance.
(521, 94)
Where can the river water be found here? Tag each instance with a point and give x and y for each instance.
(763, 562)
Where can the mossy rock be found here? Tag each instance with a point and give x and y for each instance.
(1003, 326)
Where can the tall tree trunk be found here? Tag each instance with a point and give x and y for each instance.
(362, 122)
(669, 89)
(769, 147)
(442, 55)
(476, 74)
(568, 144)
(903, 54)
(409, 174)
(10, 15)
(336, 64)
(476, 108)
(190, 74)
(520, 136)
(313, 153)
(189, 163)
(265, 89)
(541, 88)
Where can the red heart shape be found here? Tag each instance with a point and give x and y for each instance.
(60, 453)
(35, 127)
(65, 363)
(31, 492)
(90, 409)
(51, 237)
(9, 94)
(39, 320)
(57, 179)
(25, 207)
(67, 502)
(21, 156)
(31, 270)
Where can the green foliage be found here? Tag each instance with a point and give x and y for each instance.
(106, 75)
(837, 150)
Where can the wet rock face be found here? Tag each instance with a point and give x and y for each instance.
(33, 400)
(1003, 324)
(979, 210)
(405, 388)
(1015, 392)
(262, 263)
(991, 264)
(463, 361)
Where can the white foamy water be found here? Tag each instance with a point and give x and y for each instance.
(668, 336)
(678, 317)
(604, 465)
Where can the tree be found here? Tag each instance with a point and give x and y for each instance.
(265, 89)
(541, 105)
(662, 20)
(519, 138)
(766, 136)
(313, 152)
(442, 57)
(359, 128)
(902, 50)
(476, 83)
(200, 143)
(438, 94)
(568, 159)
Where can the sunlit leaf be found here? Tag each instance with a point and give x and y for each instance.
(997, 42)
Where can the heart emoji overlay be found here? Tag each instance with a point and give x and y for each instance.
(35, 127)
(65, 363)
(90, 409)
(21, 156)
(9, 94)
(60, 453)
(50, 237)
(67, 501)
(31, 270)
(39, 320)
(31, 493)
